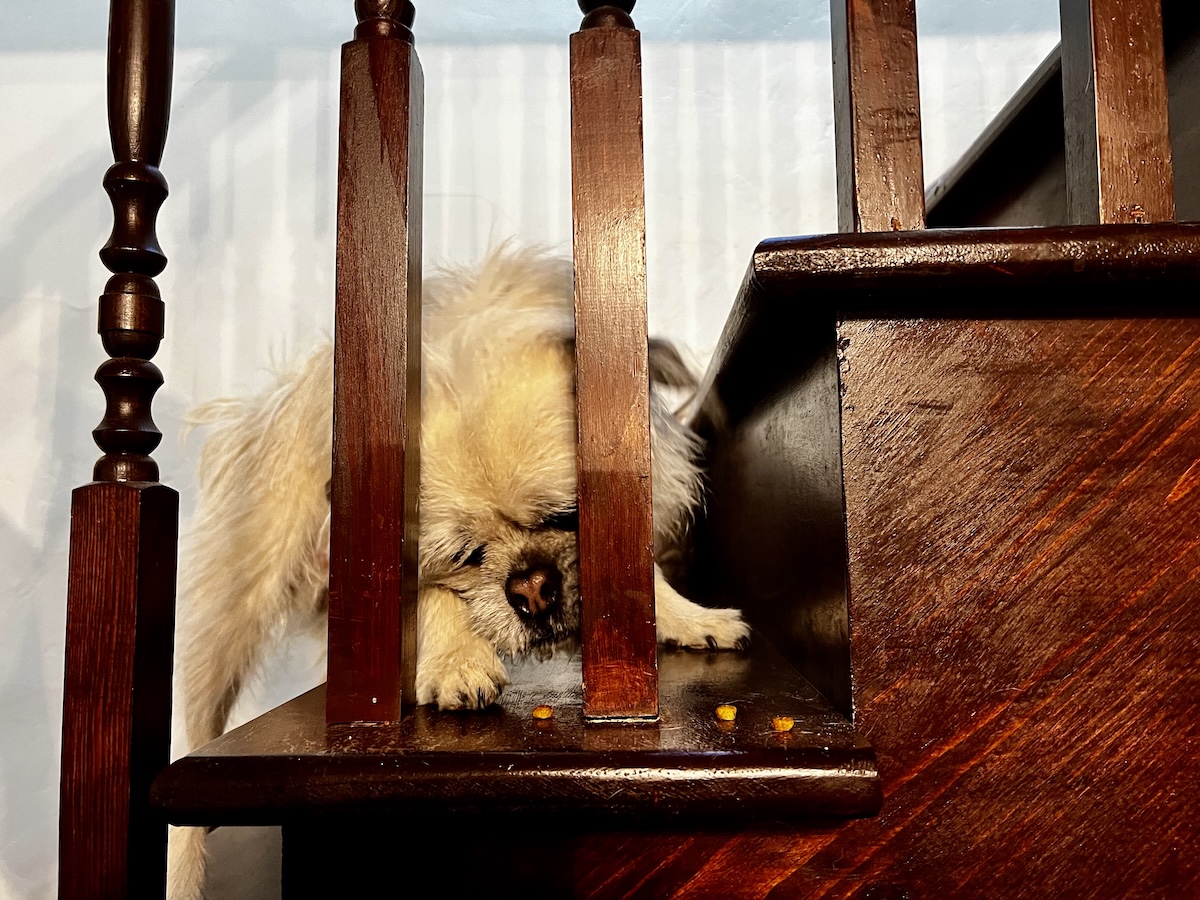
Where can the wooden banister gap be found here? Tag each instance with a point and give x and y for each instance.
(877, 116)
(124, 525)
(377, 365)
(1118, 145)
(616, 537)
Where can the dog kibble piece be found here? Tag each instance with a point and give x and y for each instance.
(783, 723)
(726, 712)
(542, 712)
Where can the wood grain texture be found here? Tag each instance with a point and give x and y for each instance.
(377, 384)
(288, 767)
(1022, 584)
(877, 115)
(1019, 472)
(124, 526)
(117, 692)
(131, 320)
(616, 534)
(1118, 147)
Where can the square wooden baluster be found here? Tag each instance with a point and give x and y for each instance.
(877, 116)
(1115, 105)
(616, 534)
(377, 365)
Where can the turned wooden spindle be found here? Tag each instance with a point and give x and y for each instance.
(124, 525)
(377, 371)
(616, 534)
(877, 116)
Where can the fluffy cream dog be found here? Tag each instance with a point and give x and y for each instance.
(498, 549)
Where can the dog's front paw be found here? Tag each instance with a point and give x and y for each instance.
(461, 679)
(682, 623)
(701, 628)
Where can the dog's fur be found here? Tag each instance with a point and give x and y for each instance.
(497, 535)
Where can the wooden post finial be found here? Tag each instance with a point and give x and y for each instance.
(588, 6)
(385, 18)
(601, 14)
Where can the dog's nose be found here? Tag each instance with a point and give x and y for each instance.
(534, 591)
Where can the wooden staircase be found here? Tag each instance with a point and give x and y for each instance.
(953, 484)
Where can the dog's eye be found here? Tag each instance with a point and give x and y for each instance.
(567, 520)
(476, 556)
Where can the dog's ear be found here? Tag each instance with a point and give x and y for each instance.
(668, 368)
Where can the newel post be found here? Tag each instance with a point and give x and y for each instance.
(124, 525)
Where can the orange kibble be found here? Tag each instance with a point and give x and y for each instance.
(542, 712)
(726, 712)
(783, 723)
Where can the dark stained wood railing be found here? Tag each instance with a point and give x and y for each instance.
(616, 536)
(377, 365)
(124, 525)
(1114, 79)
(877, 116)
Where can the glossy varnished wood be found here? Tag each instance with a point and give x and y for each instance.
(117, 691)
(616, 532)
(377, 362)
(1021, 593)
(877, 115)
(124, 526)
(1018, 447)
(288, 766)
(1118, 148)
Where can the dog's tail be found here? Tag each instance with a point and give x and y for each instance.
(186, 862)
(257, 554)
(259, 549)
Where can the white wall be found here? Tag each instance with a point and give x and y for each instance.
(739, 147)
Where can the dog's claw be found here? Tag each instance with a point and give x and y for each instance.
(742, 643)
(712, 642)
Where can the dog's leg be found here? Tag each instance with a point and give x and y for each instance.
(688, 624)
(456, 668)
